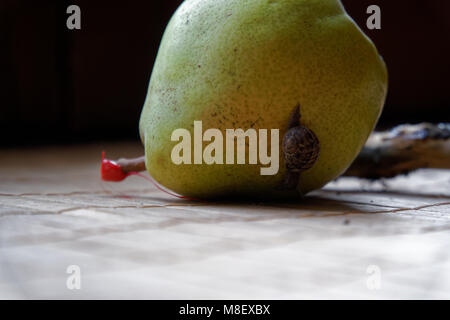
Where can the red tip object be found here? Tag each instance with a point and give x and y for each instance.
(111, 171)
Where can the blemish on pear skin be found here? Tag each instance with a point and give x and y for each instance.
(160, 160)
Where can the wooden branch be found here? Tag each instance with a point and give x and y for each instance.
(132, 165)
(402, 150)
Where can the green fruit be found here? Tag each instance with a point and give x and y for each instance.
(247, 64)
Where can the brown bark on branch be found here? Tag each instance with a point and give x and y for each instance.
(402, 150)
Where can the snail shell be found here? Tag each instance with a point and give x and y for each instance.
(301, 149)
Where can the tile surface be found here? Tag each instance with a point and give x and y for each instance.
(354, 239)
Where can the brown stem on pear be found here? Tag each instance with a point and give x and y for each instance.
(132, 165)
(294, 119)
(301, 149)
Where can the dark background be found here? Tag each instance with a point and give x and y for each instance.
(62, 86)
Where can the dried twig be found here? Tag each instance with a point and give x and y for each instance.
(402, 150)
(132, 165)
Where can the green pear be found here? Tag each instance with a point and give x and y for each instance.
(247, 64)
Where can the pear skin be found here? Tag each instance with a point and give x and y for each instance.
(246, 64)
